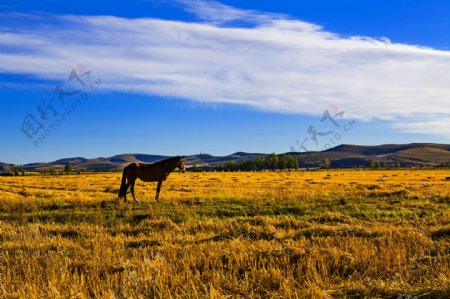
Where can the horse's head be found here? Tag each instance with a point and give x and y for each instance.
(181, 165)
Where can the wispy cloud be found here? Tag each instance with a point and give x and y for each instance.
(279, 64)
(218, 13)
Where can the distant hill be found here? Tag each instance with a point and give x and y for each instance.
(342, 156)
(414, 154)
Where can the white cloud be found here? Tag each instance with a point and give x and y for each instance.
(436, 126)
(278, 64)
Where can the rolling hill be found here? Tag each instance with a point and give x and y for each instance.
(342, 156)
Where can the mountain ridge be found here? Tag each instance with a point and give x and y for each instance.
(341, 156)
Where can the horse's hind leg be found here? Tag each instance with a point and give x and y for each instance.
(158, 189)
(126, 190)
(132, 191)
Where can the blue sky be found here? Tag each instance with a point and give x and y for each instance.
(191, 76)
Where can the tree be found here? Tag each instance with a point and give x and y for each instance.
(219, 167)
(283, 162)
(272, 161)
(397, 165)
(291, 162)
(247, 165)
(259, 163)
(195, 168)
(371, 164)
(327, 163)
(294, 162)
(231, 166)
(67, 168)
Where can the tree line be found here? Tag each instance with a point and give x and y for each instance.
(269, 162)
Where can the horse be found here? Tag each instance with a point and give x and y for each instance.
(154, 172)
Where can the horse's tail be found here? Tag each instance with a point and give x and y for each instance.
(123, 191)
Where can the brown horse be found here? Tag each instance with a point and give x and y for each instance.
(154, 172)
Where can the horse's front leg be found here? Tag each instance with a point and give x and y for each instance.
(158, 189)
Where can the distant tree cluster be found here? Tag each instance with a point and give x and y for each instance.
(378, 165)
(7, 173)
(327, 163)
(444, 165)
(385, 165)
(269, 162)
(14, 172)
(67, 168)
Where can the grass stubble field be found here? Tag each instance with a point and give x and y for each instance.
(322, 234)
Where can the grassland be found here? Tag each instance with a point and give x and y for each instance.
(323, 234)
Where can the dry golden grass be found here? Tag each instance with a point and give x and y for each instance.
(324, 234)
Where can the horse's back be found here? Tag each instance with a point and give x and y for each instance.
(150, 172)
